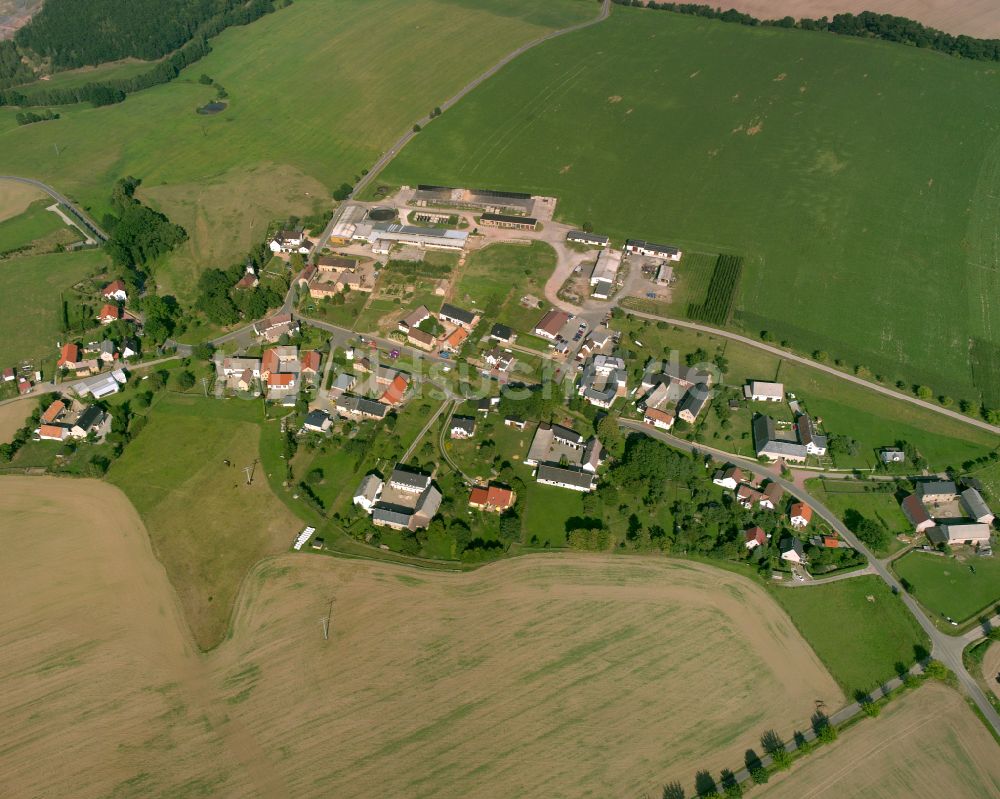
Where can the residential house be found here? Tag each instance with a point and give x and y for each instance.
(647, 248)
(289, 241)
(603, 380)
(54, 412)
(801, 514)
(393, 395)
(355, 407)
(814, 443)
(772, 496)
(760, 391)
(792, 550)
(748, 496)
(310, 363)
(453, 341)
(109, 313)
(24, 386)
(508, 221)
(9, 375)
(492, 498)
(463, 426)
(368, 492)
(754, 537)
(317, 422)
(501, 360)
(503, 334)
(975, 506)
(593, 455)
(551, 324)
(90, 421)
(106, 351)
(116, 291)
(916, 513)
(663, 420)
(344, 381)
(281, 384)
(418, 338)
(228, 367)
(694, 402)
(414, 318)
(248, 281)
(729, 478)
(69, 356)
(56, 431)
(276, 326)
(590, 239)
(888, 456)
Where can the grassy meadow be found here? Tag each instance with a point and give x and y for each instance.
(207, 526)
(317, 91)
(30, 290)
(858, 179)
(959, 588)
(861, 641)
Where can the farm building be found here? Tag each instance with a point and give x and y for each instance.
(414, 318)
(969, 533)
(485, 199)
(602, 279)
(647, 248)
(368, 493)
(458, 316)
(975, 506)
(383, 236)
(565, 477)
(915, 512)
(551, 324)
(590, 239)
(490, 219)
(289, 241)
(693, 402)
(935, 491)
(662, 420)
(768, 445)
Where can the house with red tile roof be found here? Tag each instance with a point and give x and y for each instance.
(53, 412)
(69, 356)
(492, 498)
(393, 395)
(455, 339)
(109, 313)
(747, 496)
(310, 360)
(801, 515)
(754, 537)
(115, 290)
(53, 432)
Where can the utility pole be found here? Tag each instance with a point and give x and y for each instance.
(325, 621)
(249, 472)
(204, 385)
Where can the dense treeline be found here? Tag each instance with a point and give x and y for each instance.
(12, 69)
(138, 234)
(30, 117)
(106, 92)
(72, 34)
(867, 24)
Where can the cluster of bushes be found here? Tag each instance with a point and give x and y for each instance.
(867, 24)
(30, 117)
(223, 305)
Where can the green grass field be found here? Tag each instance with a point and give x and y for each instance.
(950, 587)
(317, 91)
(865, 220)
(860, 641)
(71, 78)
(846, 496)
(30, 288)
(34, 224)
(207, 526)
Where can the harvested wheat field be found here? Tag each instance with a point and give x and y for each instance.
(13, 415)
(926, 745)
(15, 198)
(991, 668)
(979, 18)
(102, 692)
(542, 676)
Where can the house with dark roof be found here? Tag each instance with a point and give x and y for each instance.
(88, 422)
(792, 550)
(589, 239)
(647, 248)
(975, 506)
(463, 427)
(317, 421)
(768, 445)
(503, 334)
(458, 316)
(936, 491)
(574, 479)
(694, 402)
(490, 219)
(354, 407)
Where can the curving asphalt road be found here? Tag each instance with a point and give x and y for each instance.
(945, 648)
(403, 140)
(790, 356)
(78, 212)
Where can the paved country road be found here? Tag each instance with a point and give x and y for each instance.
(790, 356)
(403, 140)
(78, 212)
(945, 648)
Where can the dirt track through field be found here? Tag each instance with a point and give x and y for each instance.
(926, 745)
(530, 677)
(979, 18)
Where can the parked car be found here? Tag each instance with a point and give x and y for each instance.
(394, 353)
